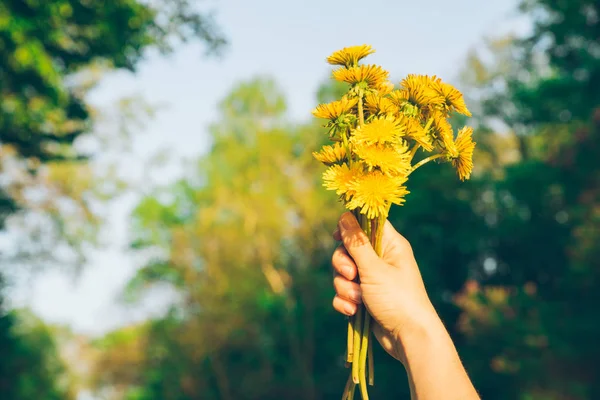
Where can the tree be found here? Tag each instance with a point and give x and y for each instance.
(47, 50)
(245, 242)
(530, 320)
(31, 366)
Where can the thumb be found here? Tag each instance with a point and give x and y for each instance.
(356, 242)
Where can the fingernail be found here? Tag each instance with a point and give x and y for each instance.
(347, 271)
(349, 309)
(355, 295)
(347, 221)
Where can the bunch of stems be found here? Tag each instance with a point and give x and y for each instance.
(359, 350)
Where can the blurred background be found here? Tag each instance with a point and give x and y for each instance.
(164, 232)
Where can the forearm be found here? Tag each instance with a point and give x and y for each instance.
(435, 371)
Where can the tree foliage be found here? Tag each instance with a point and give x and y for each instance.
(48, 51)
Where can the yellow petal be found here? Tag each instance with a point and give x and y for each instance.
(350, 56)
(341, 177)
(420, 92)
(375, 192)
(371, 75)
(335, 109)
(465, 146)
(380, 130)
(330, 155)
(391, 160)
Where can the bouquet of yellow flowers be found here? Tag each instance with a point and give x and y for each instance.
(377, 130)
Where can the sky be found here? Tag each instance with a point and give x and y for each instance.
(288, 41)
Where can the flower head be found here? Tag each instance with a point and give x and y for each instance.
(464, 159)
(415, 131)
(335, 109)
(370, 75)
(380, 130)
(453, 98)
(391, 160)
(378, 105)
(341, 177)
(330, 155)
(350, 56)
(375, 192)
(444, 133)
(384, 88)
(419, 91)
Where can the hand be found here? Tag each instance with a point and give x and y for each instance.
(390, 286)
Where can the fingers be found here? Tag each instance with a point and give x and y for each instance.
(343, 264)
(344, 306)
(336, 235)
(347, 290)
(348, 293)
(356, 242)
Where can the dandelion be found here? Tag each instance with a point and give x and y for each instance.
(375, 192)
(391, 160)
(369, 75)
(416, 132)
(380, 130)
(453, 99)
(465, 146)
(384, 88)
(340, 179)
(350, 56)
(377, 132)
(444, 134)
(379, 105)
(335, 109)
(330, 155)
(419, 91)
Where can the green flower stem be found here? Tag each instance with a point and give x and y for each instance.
(425, 161)
(349, 389)
(350, 347)
(361, 113)
(371, 367)
(358, 322)
(413, 151)
(366, 333)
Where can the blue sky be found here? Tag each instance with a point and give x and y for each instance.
(286, 40)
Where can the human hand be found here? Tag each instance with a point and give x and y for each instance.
(390, 286)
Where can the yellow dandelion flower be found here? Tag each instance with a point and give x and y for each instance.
(453, 98)
(384, 88)
(380, 130)
(350, 56)
(399, 97)
(415, 131)
(371, 75)
(341, 177)
(330, 155)
(375, 192)
(377, 105)
(419, 91)
(391, 160)
(444, 133)
(465, 146)
(334, 109)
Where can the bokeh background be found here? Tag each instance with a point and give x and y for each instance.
(165, 234)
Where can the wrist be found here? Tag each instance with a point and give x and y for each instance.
(422, 329)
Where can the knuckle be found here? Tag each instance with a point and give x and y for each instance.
(338, 283)
(337, 254)
(359, 239)
(336, 303)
